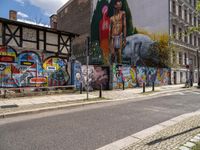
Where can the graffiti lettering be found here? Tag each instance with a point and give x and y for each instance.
(51, 68)
(26, 63)
(8, 59)
(2, 67)
(38, 80)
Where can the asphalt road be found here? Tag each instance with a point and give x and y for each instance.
(91, 127)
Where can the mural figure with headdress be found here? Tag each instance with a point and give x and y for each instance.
(117, 32)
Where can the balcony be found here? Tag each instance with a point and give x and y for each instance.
(183, 44)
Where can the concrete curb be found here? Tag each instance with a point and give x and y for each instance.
(38, 110)
(136, 137)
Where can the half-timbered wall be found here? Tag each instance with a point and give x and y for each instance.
(20, 36)
(33, 56)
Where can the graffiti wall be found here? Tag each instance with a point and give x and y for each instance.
(23, 68)
(97, 76)
(117, 32)
(135, 77)
(76, 74)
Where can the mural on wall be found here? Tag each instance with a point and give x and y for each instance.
(97, 76)
(27, 69)
(56, 71)
(126, 74)
(76, 74)
(163, 76)
(113, 21)
(134, 77)
(115, 40)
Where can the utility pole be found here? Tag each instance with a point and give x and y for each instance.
(87, 63)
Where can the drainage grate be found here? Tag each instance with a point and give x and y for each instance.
(9, 106)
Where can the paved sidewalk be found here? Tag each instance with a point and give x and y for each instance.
(110, 95)
(137, 92)
(63, 100)
(170, 138)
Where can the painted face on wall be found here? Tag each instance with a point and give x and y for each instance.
(105, 10)
(118, 5)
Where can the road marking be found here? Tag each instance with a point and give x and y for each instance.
(195, 92)
(180, 93)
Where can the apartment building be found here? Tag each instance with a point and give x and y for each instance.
(182, 17)
(171, 17)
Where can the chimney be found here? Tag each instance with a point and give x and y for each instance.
(53, 21)
(13, 15)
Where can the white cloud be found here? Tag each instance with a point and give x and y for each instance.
(20, 1)
(21, 14)
(32, 22)
(48, 7)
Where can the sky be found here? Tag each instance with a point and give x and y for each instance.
(31, 11)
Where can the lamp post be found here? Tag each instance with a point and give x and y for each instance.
(87, 63)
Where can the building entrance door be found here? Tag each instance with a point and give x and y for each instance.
(175, 79)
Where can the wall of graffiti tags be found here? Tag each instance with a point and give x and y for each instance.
(134, 77)
(97, 75)
(23, 68)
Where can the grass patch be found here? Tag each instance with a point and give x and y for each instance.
(149, 92)
(197, 147)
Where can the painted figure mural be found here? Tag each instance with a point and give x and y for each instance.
(110, 20)
(28, 69)
(117, 32)
(104, 29)
(121, 43)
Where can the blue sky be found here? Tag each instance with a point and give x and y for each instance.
(31, 11)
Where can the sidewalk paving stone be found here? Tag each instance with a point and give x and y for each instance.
(189, 144)
(184, 148)
(171, 137)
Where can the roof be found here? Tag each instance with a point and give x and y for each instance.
(36, 27)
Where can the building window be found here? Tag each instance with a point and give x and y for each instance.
(174, 7)
(190, 2)
(174, 56)
(180, 34)
(180, 58)
(195, 61)
(195, 21)
(198, 21)
(180, 11)
(185, 14)
(191, 39)
(186, 37)
(190, 18)
(195, 41)
(198, 41)
(185, 58)
(195, 3)
(174, 30)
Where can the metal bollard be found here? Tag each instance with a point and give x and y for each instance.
(123, 85)
(143, 87)
(4, 93)
(100, 91)
(81, 88)
(153, 86)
